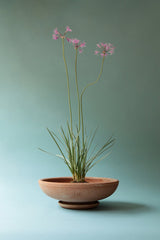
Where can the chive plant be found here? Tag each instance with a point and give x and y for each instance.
(74, 145)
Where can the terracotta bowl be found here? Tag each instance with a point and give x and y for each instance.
(78, 195)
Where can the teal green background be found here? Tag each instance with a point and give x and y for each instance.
(33, 96)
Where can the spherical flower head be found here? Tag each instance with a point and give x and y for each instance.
(77, 44)
(57, 34)
(105, 49)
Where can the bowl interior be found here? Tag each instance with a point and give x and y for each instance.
(87, 179)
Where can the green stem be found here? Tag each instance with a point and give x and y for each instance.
(88, 85)
(69, 99)
(82, 122)
(77, 90)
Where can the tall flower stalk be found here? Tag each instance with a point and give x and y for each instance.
(79, 108)
(69, 98)
(79, 156)
(88, 85)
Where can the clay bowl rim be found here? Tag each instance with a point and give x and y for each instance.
(100, 181)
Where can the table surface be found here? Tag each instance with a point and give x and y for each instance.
(27, 213)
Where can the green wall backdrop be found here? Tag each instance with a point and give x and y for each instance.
(125, 103)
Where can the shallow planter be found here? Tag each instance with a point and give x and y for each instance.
(78, 195)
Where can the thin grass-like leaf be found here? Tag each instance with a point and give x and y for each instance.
(103, 149)
(89, 166)
(52, 136)
(57, 137)
(92, 138)
(46, 151)
(60, 156)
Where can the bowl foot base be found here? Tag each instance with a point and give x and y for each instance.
(78, 205)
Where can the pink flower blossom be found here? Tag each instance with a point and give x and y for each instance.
(56, 31)
(106, 49)
(75, 41)
(57, 34)
(98, 45)
(69, 40)
(83, 45)
(103, 54)
(55, 37)
(111, 51)
(77, 44)
(68, 29)
(96, 52)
